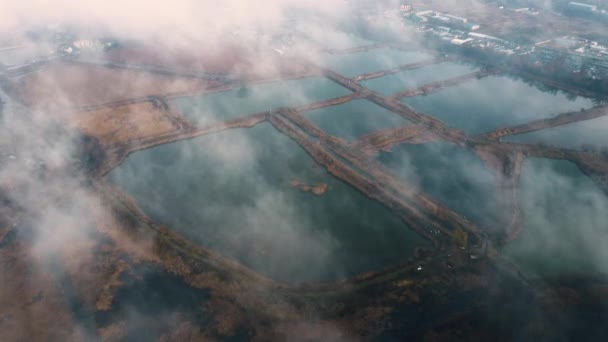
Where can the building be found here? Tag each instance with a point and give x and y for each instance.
(484, 37)
(456, 19)
(457, 41)
(406, 9)
(581, 7)
(444, 19)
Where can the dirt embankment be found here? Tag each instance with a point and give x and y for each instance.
(327, 103)
(385, 140)
(437, 86)
(401, 68)
(507, 165)
(559, 120)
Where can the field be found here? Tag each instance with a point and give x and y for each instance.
(74, 85)
(119, 125)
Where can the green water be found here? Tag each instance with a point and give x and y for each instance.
(411, 79)
(354, 119)
(454, 176)
(354, 64)
(574, 135)
(483, 105)
(230, 192)
(565, 221)
(254, 99)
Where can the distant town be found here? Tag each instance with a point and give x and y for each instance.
(567, 57)
(568, 54)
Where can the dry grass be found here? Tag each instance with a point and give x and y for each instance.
(69, 85)
(119, 125)
(32, 306)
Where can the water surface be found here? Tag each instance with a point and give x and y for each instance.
(243, 101)
(415, 78)
(565, 221)
(231, 192)
(452, 175)
(575, 135)
(354, 119)
(496, 101)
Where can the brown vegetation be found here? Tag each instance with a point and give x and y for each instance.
(33, 306)
(74, 85)
(559, 120)
(318, 189)
(436, 86)
(226, 58)
(401, 68)
(120, 125)
(385, 140)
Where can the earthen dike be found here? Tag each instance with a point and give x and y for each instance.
(354, 163)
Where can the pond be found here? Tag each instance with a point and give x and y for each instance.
(232, 192)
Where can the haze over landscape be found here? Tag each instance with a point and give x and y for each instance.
(303, 170)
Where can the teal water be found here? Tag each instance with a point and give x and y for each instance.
(565, 221)
(411, 79)
(354, 119)
(354, 64)
(452, 175)
(230, 192)
(574, 135)
(257, 98)
(496, 101)
(330, 38)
